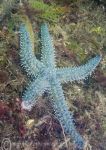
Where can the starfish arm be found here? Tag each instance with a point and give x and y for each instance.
(33, 91)
(28, 59)
(78, 73)
(48, 56)
(63, 115)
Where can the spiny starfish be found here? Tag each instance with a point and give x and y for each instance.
(45, 76)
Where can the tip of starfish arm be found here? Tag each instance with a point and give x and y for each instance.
(94, 62)
(98, 58)
(26, 106)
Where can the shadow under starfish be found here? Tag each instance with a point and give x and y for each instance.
(45, 76)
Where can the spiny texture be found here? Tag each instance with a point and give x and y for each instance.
(46, 76)
(77, 73)
(28, 60)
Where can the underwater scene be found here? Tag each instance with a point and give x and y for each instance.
(52, 74)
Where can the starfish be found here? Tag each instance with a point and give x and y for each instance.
(44, 75)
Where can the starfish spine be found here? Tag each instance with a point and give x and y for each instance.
(28, 59)
(63, 115)
(67, 74)
(48, 51)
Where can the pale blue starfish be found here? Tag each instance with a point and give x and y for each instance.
(45, 76)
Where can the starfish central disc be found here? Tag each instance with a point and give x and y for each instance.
(50, 74)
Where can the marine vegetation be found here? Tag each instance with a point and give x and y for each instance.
(49, 12)
(5, 8)
(45, 76)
